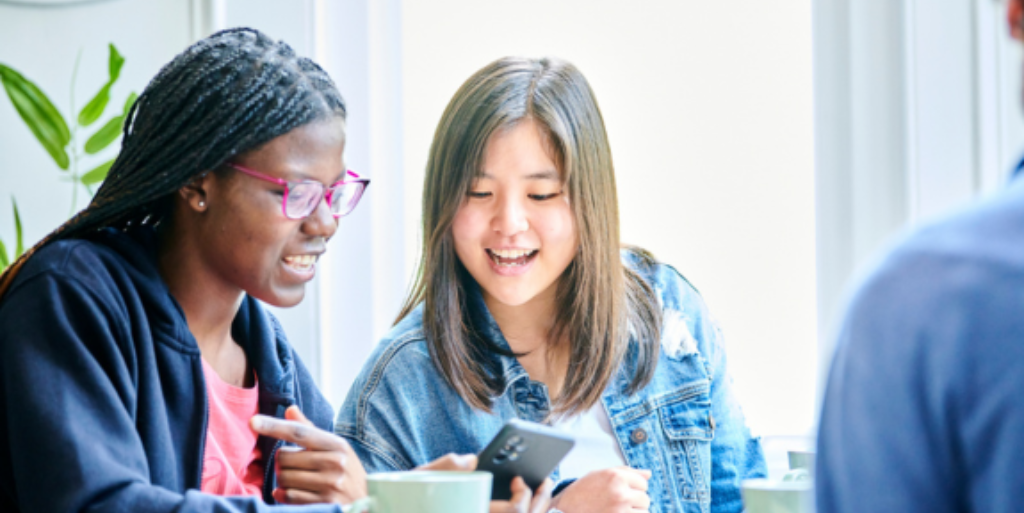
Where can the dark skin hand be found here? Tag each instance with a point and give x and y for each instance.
(325, 469)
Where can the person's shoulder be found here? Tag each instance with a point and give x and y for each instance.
(974, 249)
(403, 350)
(406, 335)
(68, 286)
(989, 232)
(946, 285)
(81, 261)
(671, 288)
(686, 324)
(399, 368)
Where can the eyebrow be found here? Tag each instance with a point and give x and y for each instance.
(548, 174)
(295, 176)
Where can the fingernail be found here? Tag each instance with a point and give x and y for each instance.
(256, 422)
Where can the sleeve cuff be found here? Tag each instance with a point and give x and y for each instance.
(562, 485)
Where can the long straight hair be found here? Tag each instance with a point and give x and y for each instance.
(600, 302)
(225, 95)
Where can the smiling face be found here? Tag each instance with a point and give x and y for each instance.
(244, 240)
(515, 233)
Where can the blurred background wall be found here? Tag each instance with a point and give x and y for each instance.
(765, 149)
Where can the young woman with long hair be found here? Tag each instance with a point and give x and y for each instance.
(138, 369)
(525, 306)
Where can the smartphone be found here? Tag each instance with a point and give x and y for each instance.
(525, 449)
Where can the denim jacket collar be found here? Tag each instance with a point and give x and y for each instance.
(530, 397)
(514, 376)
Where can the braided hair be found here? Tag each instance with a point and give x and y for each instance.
(225, 95)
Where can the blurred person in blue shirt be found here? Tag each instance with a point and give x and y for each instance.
(924, 410)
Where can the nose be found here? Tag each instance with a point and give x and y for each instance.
(320, 223)
(510, 218)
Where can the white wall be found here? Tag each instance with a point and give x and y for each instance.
(363, 277)
(709, 111)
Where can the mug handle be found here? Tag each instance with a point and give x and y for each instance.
(364, 505)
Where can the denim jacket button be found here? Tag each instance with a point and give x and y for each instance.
(638, 436)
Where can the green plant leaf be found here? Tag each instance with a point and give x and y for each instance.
(97, 174)
(114, 63)
(94, 109)
(38, 112)
(129, 102)
(104, 136)
(3, 256)
(19, 243)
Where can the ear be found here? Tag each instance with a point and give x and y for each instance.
(194, 193)
(1015, 18)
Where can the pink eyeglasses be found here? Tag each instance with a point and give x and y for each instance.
(302, 198)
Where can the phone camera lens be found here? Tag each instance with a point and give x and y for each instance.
(513, 457)
(500, 458)
(521, 448)
(514, 440)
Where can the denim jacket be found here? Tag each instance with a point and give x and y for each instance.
(685, 426)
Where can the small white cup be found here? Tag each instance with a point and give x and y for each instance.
(795, 495)
(425, 492)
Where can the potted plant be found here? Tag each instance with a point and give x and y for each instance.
(63, 141)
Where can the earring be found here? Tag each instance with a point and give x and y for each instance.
(202, 204)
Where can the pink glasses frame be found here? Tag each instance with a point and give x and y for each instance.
(327, 190)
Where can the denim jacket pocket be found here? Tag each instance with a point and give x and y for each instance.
(689, 430)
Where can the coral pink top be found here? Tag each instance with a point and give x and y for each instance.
(232, 463)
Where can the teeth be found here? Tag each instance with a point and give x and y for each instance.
(300, 261)
(511, 253)
(501, 256)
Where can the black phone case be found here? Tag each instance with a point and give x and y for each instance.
(524, 449)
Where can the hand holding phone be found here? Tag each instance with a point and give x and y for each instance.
(525, 449)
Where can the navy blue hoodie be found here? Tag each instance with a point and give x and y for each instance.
(104, 403)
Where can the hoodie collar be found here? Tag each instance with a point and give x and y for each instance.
(259, 334)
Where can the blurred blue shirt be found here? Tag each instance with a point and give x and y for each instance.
(924, 409)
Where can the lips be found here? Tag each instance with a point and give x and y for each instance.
(511, 257)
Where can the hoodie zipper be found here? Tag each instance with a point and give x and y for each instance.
(269, 466)
(206, 422)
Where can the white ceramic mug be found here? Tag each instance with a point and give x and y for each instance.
(425, 492)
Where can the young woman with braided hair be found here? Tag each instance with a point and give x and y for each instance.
(138, 371)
